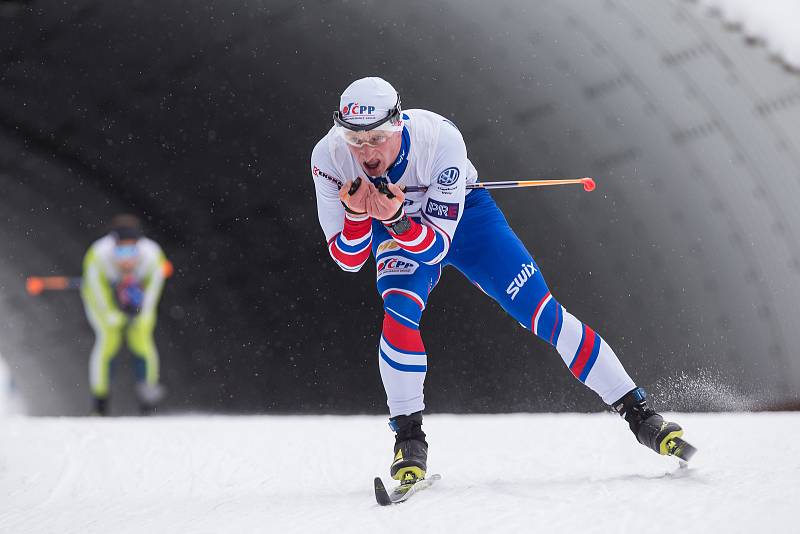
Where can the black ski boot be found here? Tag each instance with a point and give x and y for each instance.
(99, 406)
(650, 429)
(150, 395)
(410, 448)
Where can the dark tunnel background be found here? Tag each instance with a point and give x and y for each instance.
(202, 118)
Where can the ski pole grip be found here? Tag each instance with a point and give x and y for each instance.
(383, 188)
(354, 186)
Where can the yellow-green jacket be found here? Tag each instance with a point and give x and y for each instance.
(100, 275)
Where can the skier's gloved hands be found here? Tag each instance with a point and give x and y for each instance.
(353, 195)
(385, 202)
(130, 296)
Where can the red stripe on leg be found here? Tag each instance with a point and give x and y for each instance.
(400, 336)
(536, 311)
(584, 352)
(555, 323)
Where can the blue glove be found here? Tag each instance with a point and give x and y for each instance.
(130, 295)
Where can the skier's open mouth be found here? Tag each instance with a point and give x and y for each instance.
(372, 165)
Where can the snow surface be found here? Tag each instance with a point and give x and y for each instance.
(775, 22)
(501, 473)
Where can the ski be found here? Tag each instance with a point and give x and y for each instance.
(681, 449)
(403, 492)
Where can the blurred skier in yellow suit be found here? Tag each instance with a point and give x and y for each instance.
(123, 275)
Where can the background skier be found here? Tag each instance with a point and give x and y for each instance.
(123, 275)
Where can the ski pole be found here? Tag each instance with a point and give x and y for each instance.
(36, 285)
(588, 184)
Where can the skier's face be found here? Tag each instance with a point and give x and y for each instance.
(376, 160)
(126, 254)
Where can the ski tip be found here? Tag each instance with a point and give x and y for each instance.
(381, 495)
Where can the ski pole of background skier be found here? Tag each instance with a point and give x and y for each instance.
(36, 285)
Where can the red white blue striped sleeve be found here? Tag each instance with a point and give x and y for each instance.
(426, 241)
(349, 236)
(350, 248)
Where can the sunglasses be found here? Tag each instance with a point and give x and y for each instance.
(125, 252)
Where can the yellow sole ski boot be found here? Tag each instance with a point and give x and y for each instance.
(410, 449)
(650, 429)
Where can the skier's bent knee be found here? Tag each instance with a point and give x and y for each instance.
(404, 307)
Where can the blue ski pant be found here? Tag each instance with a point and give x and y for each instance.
(486, 250)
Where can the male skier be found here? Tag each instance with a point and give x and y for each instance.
(123, 275)
(360, 168)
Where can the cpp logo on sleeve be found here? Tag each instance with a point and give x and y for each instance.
(442, 210)
(449, 176)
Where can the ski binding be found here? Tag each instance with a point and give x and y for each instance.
(681, 449)
(403, 492)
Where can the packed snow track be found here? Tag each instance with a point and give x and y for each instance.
(501, 473)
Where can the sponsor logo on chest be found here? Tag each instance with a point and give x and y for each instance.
(449, 176)
(442, 210)
(319, 172)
